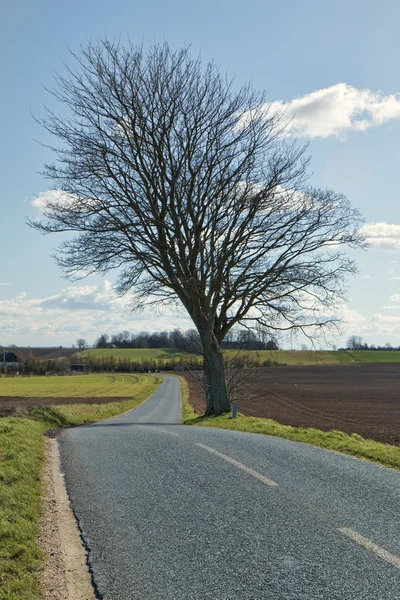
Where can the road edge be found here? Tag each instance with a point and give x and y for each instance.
(66, 575)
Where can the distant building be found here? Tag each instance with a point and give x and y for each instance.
(79, 368)
(7, 357)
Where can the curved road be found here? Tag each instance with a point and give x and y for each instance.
(195, 513)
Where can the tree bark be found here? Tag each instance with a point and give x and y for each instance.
(214, 381)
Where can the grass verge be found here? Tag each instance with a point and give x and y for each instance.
(354, 444)
(21, 461)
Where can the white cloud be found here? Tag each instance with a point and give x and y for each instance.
(77, 311)
(338, 109)
(87, 297)
(382, 236)
(89, 310)
(375, 327)
(387, 324)
(366, 276)
(395, 278)
(4, 284)
(55, 197)
(351, 318)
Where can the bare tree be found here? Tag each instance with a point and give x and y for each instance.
(354, 342)
(186, 185)
(81, 344)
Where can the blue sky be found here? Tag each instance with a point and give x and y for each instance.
(335, 64)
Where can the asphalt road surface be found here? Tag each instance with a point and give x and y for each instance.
(190, 513)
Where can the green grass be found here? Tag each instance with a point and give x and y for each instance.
(367, 356)
(136, 354)
(21, 461)
(187, 410)
(79, 414)
(354, 444)
(160, 355)
(298, 357)
(72, 386)
(322, 357)
(283, 357)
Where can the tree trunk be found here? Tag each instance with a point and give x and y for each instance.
(214, 380)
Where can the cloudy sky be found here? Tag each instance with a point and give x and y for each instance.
(333, 64)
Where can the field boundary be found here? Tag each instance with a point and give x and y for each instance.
(336, 441)
(162, 356)
(353, 398)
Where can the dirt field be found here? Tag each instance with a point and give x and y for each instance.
(9, 405)
(355, 398)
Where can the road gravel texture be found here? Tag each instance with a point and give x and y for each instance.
(191, 513)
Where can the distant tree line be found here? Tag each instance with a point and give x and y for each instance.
(186, 341)
(355, 342)
(112, 364)
(33, 366)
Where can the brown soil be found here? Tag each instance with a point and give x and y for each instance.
(361, 398)
(9, 405)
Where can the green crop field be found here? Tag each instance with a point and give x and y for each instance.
(136, 354)
(283, 357)
(367, 356)
(323, 357)
(297, 357)
(160, 355)
(73, 386)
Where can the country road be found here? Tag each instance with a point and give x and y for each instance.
(196, 513)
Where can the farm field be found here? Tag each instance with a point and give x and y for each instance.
(25, 392)
(284, 357)
(161, 355)
(354, 398)
(85, 385)
(298, 357)
(135, 354)
(367, 356)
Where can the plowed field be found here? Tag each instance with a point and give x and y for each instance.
(355, 398)
(9, 405)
